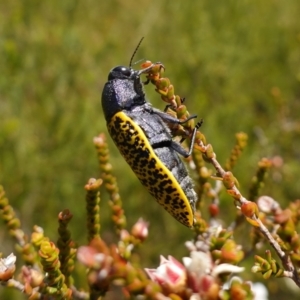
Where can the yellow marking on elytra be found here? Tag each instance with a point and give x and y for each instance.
(153, 174)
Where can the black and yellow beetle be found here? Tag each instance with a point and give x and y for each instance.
(142, 136)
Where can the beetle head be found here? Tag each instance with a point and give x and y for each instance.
(120, 72)
(123, 91)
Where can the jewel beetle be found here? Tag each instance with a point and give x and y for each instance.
(142, 136)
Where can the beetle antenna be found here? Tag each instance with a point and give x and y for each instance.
(136, 49)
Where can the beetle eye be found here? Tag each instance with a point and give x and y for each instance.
(119, 72)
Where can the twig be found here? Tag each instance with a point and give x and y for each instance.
(210, 156)
(285, 259)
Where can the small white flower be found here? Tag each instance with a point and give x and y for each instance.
(7, 267)
(195, 297)
(226, 268)
(260, 291)
(267, 204)
(190, 246)
(9, 261)
(199, 263)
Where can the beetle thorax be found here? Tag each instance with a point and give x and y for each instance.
(128, 93)
(123, 91)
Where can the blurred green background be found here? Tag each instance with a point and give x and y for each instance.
(236, 62)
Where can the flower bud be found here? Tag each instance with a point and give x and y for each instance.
(170, 275)
(7, 267)
(140, 229)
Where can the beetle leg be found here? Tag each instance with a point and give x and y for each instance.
(174, 145)
(178, 148)
(168, 118)
(198, 125)
(143, 71)
(167, 107)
